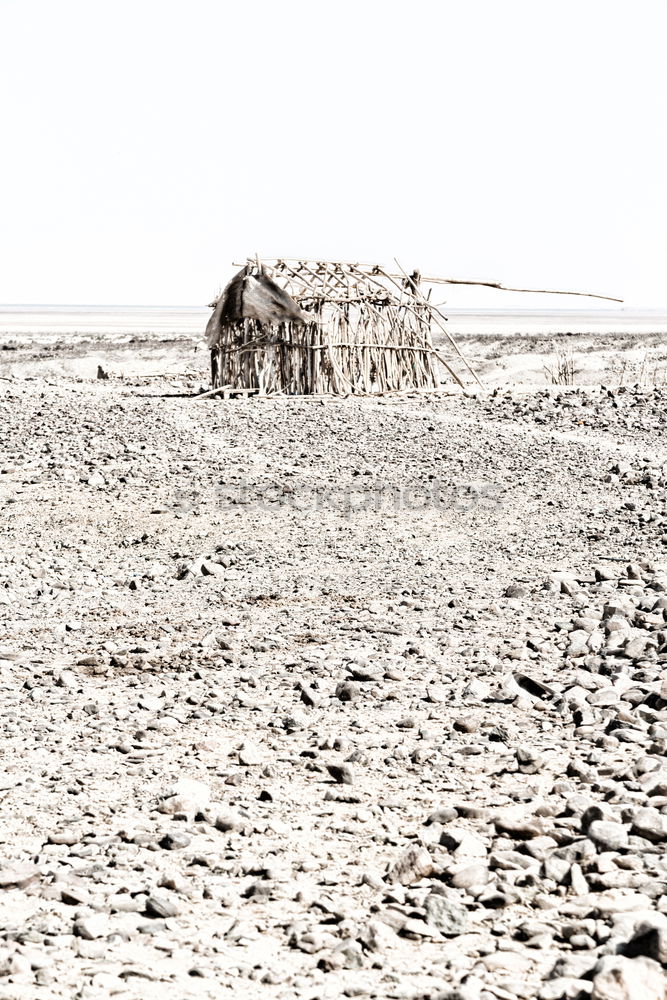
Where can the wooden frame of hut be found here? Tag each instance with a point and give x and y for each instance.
(299, 327)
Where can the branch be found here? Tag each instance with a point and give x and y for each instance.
(506, 288)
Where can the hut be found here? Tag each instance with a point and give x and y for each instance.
(316, 327)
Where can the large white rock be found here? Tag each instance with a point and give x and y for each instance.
(618, 978)
(187, 796)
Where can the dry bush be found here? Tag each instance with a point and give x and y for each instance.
(562, 371)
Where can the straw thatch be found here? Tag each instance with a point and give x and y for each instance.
(310, 327)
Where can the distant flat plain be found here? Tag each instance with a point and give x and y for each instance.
(38, 321)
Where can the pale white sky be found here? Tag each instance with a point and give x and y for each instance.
(147, 144)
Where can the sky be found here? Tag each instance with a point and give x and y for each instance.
(147, 146)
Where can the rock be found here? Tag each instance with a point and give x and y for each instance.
(605, 573)
(557, 869)
(347, 691)
(449, 917)
(414, 864)
(249, 755)
(648, 940)
(650, 824)
(346, 955)
(308, 941)
(508, 689)
(91, 927)
(74, 895)
(229, 821)
(619, 978)
(123, 902)
(341, 773)
(508, 962)
(528, 761)
(415, 927)
(476, 690)
(577, 881)
(603, 697)
(295, 721)
(366, 673)
(634, 648)
(444, 815)
(187, 796)
(519, 828)
(67, 837)
(308, 696)
(591, 813)
(578, 643)
(575, 965)
(19, 877)
(438, 694)
(564, 988)
(161, 906)
(513, 861)
(608, 835)
(462, 843)
(209, 568)
(174, 841)
(534, 687)
(620, 901)
(377, 936)
(466, 724)
(471, 875)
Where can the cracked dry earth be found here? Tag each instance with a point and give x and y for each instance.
(344, 698)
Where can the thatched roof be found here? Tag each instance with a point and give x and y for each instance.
(253, 296)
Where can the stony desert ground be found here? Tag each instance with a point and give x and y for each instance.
(332, 698)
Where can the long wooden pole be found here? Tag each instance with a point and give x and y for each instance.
(507, 288)
(462, 281)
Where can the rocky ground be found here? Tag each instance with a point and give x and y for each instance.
(332, 698)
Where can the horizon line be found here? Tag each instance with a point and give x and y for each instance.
(439, 306)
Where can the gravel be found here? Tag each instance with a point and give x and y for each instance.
(343, 698)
